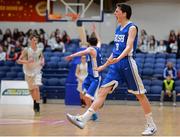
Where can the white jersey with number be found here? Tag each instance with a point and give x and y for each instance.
(34, 68)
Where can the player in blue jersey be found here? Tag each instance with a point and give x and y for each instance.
(93, 80)
(122, 68)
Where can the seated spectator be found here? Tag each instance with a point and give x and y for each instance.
(170, 70)
(172, 42)
(152, 45)
(178, 44)
(172, 37)
(161, 48)
(65, 38)
(18, 48)
(1, 35)
(41, 41)
(2, 54)
(12, 55)
(56, 43)
(5, 46)
(144, 37)
(168, 90)
(142, 47)
(7, 34)
(15, 34)
(23, 40)
(58, 33)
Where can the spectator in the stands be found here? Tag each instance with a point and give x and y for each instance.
(16, 34)
(142, 48)
(18, 47)
(41, 41)
(1, 35)
(55, 43)
(65, 38)
(178, 44)
(58, 33)
(12, 55)
(43, 35)
(161, 48)
(168, 89)
(29, 32)
(152, 44)
(2, 54)
(5, 45)
(144, 37)
(59, 44)
(23, 39)
(170, 70)
(10, 40)
(172, 42)
(7, 34)
(172, 37)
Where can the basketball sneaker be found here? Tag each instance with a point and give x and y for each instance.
(174, 104)
(36, 109)
(149, 130)
(76, 121)
(94, 117)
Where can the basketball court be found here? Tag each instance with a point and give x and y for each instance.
(114, 120)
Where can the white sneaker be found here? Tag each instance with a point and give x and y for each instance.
(149, 130)
(161, 104)
(174, 104)
(76, 121)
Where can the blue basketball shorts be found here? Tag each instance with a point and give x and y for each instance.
(124, 71)
(90, 86)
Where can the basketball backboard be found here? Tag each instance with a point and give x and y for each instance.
(68, 10)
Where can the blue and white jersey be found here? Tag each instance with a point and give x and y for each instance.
(94, 62)
(120, 40)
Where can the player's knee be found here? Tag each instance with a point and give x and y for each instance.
(102, 92)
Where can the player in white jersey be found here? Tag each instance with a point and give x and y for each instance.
(81, 74)
(33, 60)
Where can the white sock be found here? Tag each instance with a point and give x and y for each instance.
(87, 115)
(149, 119)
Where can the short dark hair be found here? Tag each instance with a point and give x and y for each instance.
(92, 41)
(125, 8)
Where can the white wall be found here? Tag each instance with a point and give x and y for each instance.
(158, 17)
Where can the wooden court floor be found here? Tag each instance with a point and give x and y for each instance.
(114, 120)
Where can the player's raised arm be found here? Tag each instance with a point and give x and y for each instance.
(97, 35)
(80, 53)
(82, 35)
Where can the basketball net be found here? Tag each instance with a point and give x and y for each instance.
(73, 16)
(55, 16)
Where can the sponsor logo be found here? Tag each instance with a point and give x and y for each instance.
(15, 92)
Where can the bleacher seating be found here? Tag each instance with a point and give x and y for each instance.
(56, 69)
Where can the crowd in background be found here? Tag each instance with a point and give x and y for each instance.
(13, 42)
(149, 44)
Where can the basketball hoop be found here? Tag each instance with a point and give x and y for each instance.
(54, 16)
(73, 16)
